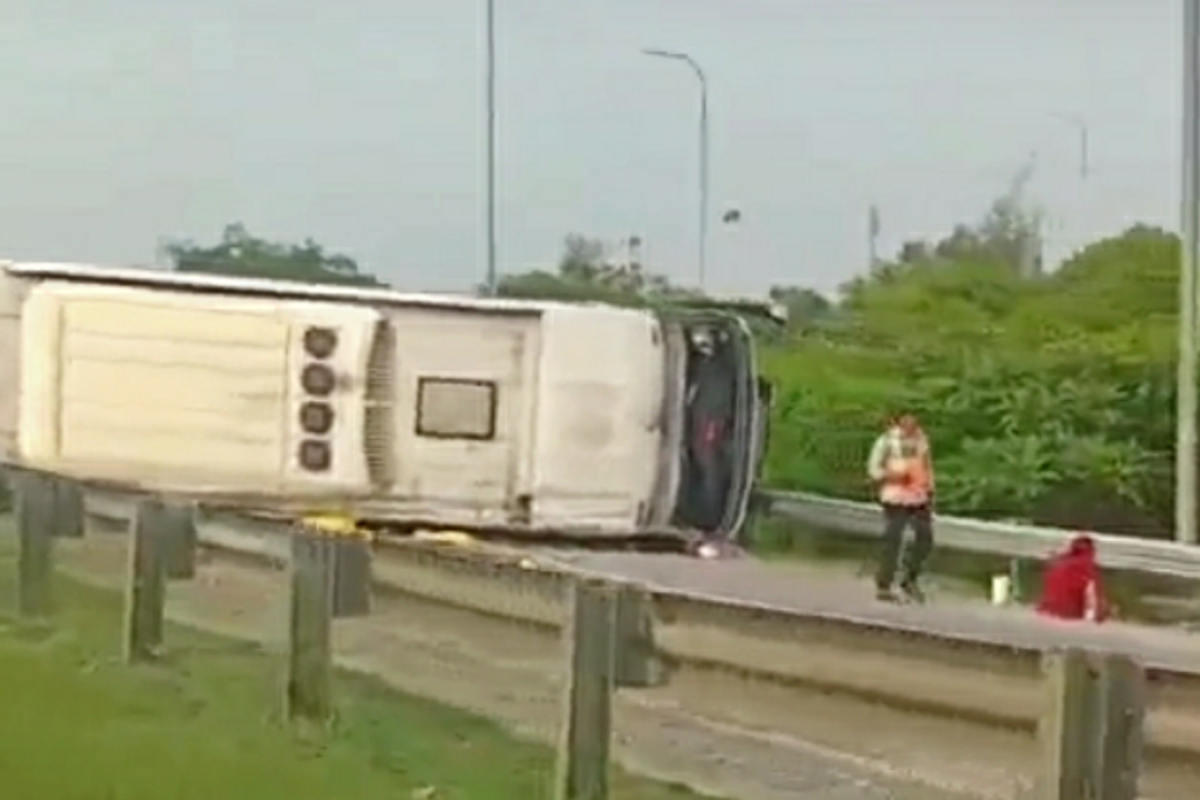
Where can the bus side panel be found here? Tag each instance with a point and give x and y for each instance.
(600, 423)
(187, 392)
(12, 295)
(464, 402)
(145, 390)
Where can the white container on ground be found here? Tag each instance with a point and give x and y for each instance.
(1001, 590)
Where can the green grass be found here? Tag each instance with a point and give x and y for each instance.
(76, 724)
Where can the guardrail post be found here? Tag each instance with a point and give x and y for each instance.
(34, 497)
(68, 509)
(182, 540)
(638, 665)
(1065, 726)
(1091, 732)
(1018, 576)
(352, 577)
(1123, 695)
(146, 586)
(308, 687)
(583, 750)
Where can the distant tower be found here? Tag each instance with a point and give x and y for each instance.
(634, 244)
(873, 228)
(1030, 264)
(1029, 242)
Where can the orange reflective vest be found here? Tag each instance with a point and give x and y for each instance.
(902, 465)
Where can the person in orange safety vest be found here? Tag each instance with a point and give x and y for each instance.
(901, 465)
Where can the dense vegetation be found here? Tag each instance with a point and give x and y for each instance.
(240, 253)
(1049, 398)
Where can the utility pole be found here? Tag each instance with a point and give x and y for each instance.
(873, 227)
(1080, 124)
(703, 213)
(1084, 154)
(490, 22)
(1185, 435)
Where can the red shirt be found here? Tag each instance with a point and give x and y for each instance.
(1072, 584)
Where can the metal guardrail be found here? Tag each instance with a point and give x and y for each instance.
(239, 535)
(1010, 540)
(742, 637)
(742, 641)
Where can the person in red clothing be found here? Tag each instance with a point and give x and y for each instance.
(1072, 587)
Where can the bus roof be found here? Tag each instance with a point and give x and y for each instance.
(203, 282)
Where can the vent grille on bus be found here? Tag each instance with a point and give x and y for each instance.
(379, 436)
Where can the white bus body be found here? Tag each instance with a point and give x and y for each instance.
(407, 409)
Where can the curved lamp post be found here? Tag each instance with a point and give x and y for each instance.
(703, 212)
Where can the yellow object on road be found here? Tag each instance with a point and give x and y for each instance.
(455, 538)
(336, 525)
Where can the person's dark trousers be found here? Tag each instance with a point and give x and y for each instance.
(895, 519)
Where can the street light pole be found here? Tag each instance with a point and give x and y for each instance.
(1080, 125)
(703, 213)
(490, 22)
(1084, 154)
(1185, 436)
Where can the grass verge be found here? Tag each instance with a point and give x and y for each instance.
(76, 724)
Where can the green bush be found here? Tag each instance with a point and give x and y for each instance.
(1049, 400)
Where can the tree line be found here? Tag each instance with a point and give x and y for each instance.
(1049, 397)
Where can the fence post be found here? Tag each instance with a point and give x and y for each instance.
(352, 577)
(1123, 694)
(181, 541)
(146, 581)
(638, 665)
(582, 759)
(1019, 579)
(1092, 729)
(68, 508)
(1064, 728)
(308, 686)
(34, 497)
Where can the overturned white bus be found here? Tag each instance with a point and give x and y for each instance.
(406, 410)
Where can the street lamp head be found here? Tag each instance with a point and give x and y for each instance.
(695, 67)
(1077, 120)
(656, 53)
(677, 56)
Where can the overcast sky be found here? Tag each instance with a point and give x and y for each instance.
(360, 123)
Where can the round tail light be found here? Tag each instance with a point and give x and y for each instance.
(316, 417)
(315, 456)
(320, 342)
(318, 379)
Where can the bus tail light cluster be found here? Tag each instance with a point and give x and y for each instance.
(317, 381)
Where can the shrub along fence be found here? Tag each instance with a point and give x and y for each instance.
(1091, 731)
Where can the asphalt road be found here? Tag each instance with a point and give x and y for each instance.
(834, 592)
